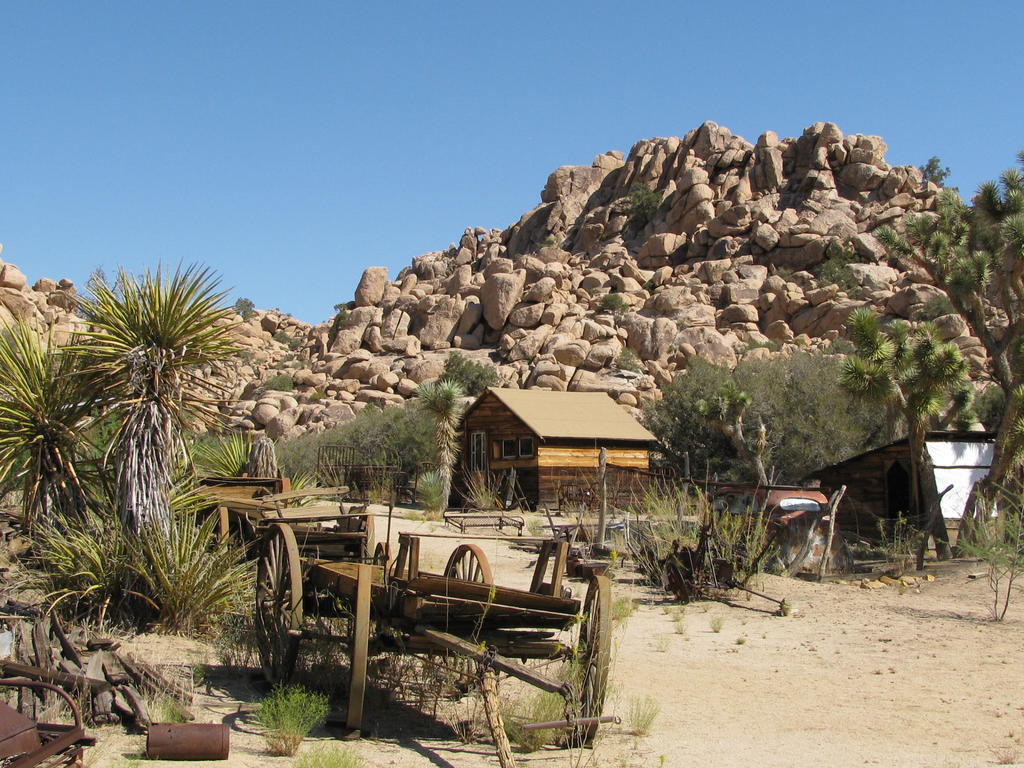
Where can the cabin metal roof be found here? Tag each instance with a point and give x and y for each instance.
(572, 415)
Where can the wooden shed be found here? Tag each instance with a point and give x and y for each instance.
(878, 481)
(547, 437)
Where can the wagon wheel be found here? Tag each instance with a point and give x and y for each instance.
(469, 563)
(367, 545)
(278, 602)
(595, 653)
(381, 554)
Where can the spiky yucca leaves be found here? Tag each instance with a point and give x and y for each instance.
(443, 401)
(976, 255)
(912, 371)
(222, 456)
(83, 564)
(725, 413)
(45, 403)
(153, 340)
(188, 574)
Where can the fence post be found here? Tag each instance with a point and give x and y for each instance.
(602, 510)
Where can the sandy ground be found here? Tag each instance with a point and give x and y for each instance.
(915, 677)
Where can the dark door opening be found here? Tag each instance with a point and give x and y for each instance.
(898, 497)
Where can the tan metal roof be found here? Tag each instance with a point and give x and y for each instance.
(573, 415)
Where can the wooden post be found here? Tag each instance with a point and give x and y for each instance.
(223, 523)
(602, 510)
(686, 489)
(833, 505)
(489, 690)
(360, 647)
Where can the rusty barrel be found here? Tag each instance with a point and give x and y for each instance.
(188, 741)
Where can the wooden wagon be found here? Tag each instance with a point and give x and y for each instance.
(396, 607)
(329, 529)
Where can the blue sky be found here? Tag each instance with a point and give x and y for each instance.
(288, 145)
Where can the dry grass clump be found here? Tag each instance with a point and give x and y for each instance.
(533, 707)
(329, 757)
(288, 715)
(642, 712)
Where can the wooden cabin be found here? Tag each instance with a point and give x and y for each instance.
(549, 438)
(878, 482)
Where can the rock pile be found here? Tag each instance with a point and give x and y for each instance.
(705, 245)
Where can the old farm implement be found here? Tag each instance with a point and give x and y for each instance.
(459, 615)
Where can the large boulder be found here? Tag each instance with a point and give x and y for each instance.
(499, 294)
(371, 287)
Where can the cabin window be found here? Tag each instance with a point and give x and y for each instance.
(515, 448)
(477, 452)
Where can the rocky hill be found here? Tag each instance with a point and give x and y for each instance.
(705, 245)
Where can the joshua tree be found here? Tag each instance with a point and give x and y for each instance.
(976, 255)
(45, 402)
(724, 413)
(914, 372)
(443, 400)
(152, 342)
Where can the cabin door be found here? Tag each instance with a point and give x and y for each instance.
(478, 452)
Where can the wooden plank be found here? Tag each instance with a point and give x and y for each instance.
(360, 646)
(508, 666)
(428, 585)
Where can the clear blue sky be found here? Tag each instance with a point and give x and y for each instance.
(288, 145)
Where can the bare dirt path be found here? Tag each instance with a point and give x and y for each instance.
(917, 677)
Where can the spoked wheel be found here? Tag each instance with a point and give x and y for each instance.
(595, 653)
(278, 602)
(469, 563)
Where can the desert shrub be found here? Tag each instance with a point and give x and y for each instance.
(988, 407)
(189, 574)
(244, 307)
(430, 492)
(473, 377)
(482, 489)
(716, 623)
(810, 424)
(628, 361)
(292, 342)
(288, 715)
(641, 714)
(999, 542)
(836, 267)
(222, 455)
(281, 382)
(329, 757)
(898, 540)
(643, 204)
(169, 710)
(377, 435)
(613, 302)
(622, 608)
(534, 706)
(234, 641)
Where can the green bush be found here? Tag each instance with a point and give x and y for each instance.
(292, 342)
(937, 307)
(288, 715)
(628, 361)
(473, 377)
(836, 267)
(405, 435)
(244, 307)
(643, 204)
(282, 382)
(810, 423)
(613, 302)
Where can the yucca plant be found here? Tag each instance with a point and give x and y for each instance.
(430, 492)
(83, 564)
(188, 574)
(45, 401)
(443, 401)
(153, 341)
(222, 456)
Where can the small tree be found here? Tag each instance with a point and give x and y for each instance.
(244, 307)
(152, 342)
(473, 377)
(916, 374)
(724, 413)
(999, 541)
(443, 401)
(934, 171)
